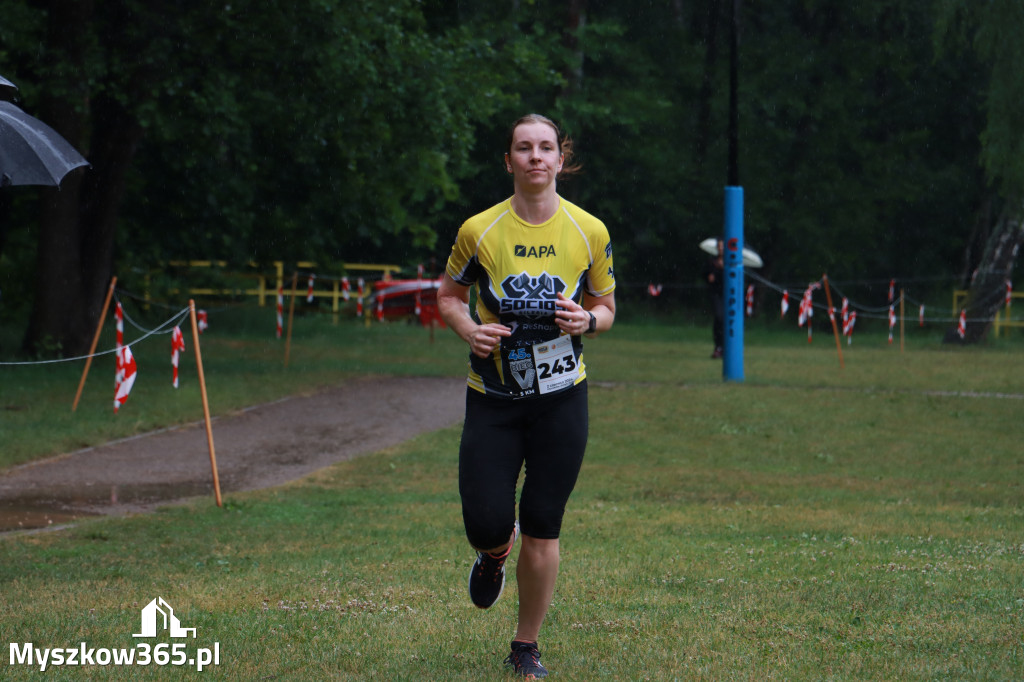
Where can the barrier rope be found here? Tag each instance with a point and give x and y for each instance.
(865, 311)
(164, 328)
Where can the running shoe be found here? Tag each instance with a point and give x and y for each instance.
(487, 577)
(525, 661)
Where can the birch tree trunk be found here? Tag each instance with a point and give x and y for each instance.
(987, 291)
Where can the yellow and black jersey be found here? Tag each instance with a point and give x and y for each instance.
(518, 269)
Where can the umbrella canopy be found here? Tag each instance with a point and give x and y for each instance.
(4, 81)
(31, 152)
(751, 259)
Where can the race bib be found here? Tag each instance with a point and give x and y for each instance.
(556, 365)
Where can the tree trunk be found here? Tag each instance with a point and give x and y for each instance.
(58, 290)
(576, 19)
(78, 220)
(986, 294)
(115, 138)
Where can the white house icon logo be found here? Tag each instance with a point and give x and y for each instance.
(158, 614)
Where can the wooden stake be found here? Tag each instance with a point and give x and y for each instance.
(291, 316)
(832, 317)
(206, 403)
(95, 341)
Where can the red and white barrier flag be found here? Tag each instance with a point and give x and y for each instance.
(177, 347)
(280, 310)
(119, 347)
(848, 327)
(785, 302)
(961, 327)
(119, 325)
(345, 286)
(750, 300)
(892, 321)
(126, 371)
(202, 322)
(845, 310)
(1009, 292)
(359, 301)
(920, 316)
(892, 290)
(309, 289)
(806, 307)
(654, 289)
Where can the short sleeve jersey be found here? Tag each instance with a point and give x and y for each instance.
(517, 270)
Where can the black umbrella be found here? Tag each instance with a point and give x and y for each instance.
(31, 152)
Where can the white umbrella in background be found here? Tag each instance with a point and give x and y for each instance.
(750, 257)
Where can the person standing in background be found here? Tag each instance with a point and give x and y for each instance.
(713, 276)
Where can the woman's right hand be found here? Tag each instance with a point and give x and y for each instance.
(486, 337)
(453, 303)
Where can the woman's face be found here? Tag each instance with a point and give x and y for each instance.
(535, 157)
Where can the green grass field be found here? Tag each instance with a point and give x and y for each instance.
(809, 523)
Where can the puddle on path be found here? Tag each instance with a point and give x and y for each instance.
(46, 508)
(16, 516)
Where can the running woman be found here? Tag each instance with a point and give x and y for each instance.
(541, 269)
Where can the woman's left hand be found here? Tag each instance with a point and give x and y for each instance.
(571, 317)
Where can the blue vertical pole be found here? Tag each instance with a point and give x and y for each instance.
(732, 364)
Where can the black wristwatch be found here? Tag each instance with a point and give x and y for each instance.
(592, 327)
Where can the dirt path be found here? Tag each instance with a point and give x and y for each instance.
(257, 448)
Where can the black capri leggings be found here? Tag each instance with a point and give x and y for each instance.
(548, 434)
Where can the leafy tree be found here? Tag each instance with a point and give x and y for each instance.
(851, 148)
(244, 132)
(994, 29)
(346, 131)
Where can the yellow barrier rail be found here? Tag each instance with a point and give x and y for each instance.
(1002, 319)
(262, 291)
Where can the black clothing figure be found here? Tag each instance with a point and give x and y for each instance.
(713, 276)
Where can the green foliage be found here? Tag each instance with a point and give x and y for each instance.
(850, 160)
(998, 41)
(990, 29)
(343, 131)
(348, 136)
(852, 148)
